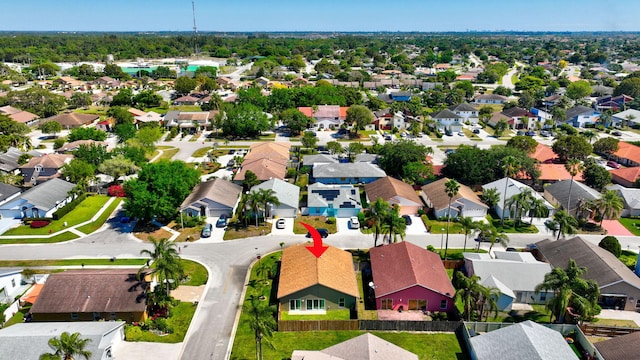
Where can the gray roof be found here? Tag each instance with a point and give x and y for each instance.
(445, 114)
(519, 273)
(366, 157)
(514, 187)
(602, 266)
(9, 159)
(579, 110)
(30, 340)
(46, 195)
(462, 107)
(310, 160)
(219, 190)
(525, 340)
(560, 191)
(363, 347)
(631, 196)
(287, 194)
(629, 112)
(348, 170)
(7, 191)
(341, 196)
(492, 97)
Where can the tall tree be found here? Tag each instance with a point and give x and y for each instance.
(609, 205)
(261, 322)
(51, 127)
(468, 226)
(117, 167)
(358, 116)
(562, 224)
(574, 167)
(309, 140)
(451, 187)
(268, 197)
(572, 147)
(67, 347)
(491, 197)
(165, 262)
(376, 214)
(510, 166)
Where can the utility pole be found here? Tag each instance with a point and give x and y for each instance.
(195, 28)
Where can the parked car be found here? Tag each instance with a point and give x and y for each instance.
(460, 133)
(407, 219)
(387, 137)
(354, 223)
(280, 223)
(232, 151)
(231, 163)
(616, 133)
(613, 164)
(222, 221)
(544, 133)
(449, 151)
(323, 233)
(530, 133)
(520, 133)
(476, 131)
(448, 132)
(206, 231)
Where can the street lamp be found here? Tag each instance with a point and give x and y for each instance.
(441, 238)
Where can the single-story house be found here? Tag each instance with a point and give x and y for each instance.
(39, 201)
(192, 120)
(626, 177)
(627, 154)
(269, 150)
(448, 120)
(187, 100)
(543, 153)
(147, 117)
(525, 340)
(92, 295)
(467, 111)
(107, 82)
(558, 194)
(341, 201)
(497, 117)
(288, 195)
(9, 159)
(363, 347)
(31, 340)
(310, 285)
(465, 203)
(326, 116)
(490, 99)
(346, 173)
(212, 198)
(10, 279)
(421, 283)
(629, 117)
(8, 193)
(619, 286)
(264, 169)
(395, 192)
(551, 100)
(514, 274)
(311, 160)
(72, 120)
(513, 187)
(550, 173)
(624, 347)
(20, 116)
(42, 168)
(631, 198)
(579, 116)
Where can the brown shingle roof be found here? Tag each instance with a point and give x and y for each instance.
(47, 161)
(106, 290)
(271, 150)
(419, 267)
(300, 270)
(392, 191)
(264, 169)
(218, 190)
(435, 191)
(624, 347)
(74, 119)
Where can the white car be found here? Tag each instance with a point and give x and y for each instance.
(354, 223)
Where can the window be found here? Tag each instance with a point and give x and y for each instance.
(315, 304)
(417, 304)
(638, 304)
(96, 316)
(294, 304)
(74, 316)
(386, 304)
(443, 304)
(341, 302)
(543, 296)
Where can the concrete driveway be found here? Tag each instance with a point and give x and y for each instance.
(288, 227)
(217, 234)
(614, 228)
(344, 228)
(417, 226)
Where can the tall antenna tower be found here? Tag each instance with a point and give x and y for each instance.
(195, 28)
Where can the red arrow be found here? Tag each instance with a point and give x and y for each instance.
(317, 249)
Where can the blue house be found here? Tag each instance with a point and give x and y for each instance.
(347, 173)
(401, 96)
(341, 201)
(579, 116)
(40, 201)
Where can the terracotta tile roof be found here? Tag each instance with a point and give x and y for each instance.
(439, 198)
(135, 112)
(48, 161)
(392, 191)
(33, 294)
(300, 269)
(555, 172)
(543, 153)
(112, 290)
(271, 150)
(307, 110)
(419, 267)
(625, 347)
(629, 174)
(73, 119)
(264, 169)
(628, 151)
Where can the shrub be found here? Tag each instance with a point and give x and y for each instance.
(291, 172)
(331, 220)
(70, 206)
(163, 325)
(116, 190)
(39, 223)
(58, 143)
(611, 244)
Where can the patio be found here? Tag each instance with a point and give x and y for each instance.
(405, 315)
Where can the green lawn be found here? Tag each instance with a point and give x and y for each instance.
(318, 222)
(630, 224)
(629, 259)
(89, 228)
(232, 233)
(70, 262)
(615, 322)
(168, 154)
(201, 152)
(440, 227)
(18, 317)
(198, 274)
(180, 318)
(508, 227)
(539, 314)
(341, 314)
(83, 212)
(65, 236)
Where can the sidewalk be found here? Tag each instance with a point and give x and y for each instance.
(73, 229)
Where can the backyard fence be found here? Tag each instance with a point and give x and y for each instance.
(368, 325)
(606, 331)
(317, 325)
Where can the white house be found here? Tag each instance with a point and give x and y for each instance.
(513, 187)
(630, 116)
(9, 284)
(466, 111)
(287, 194)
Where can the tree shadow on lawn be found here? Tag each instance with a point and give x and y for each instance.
(520, 316)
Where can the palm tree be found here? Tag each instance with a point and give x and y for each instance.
(491, 197)
(511, 167)
(67, 347)
(558, 281)
(261, 322)
(394, 224)
(254, 202)
(573, 166)
(451, 187)
(495, 236)
(267, 196)
(468, 291)
(488, 302)
(520, 203)
(468, 226)
(538, 208)
(376, 214)
(165, 259)
(609, 206)
(563, 224)
(589, 135)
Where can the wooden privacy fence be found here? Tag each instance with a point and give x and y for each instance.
(368, 325)
(606, 331)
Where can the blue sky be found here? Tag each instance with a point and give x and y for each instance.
(323, 15)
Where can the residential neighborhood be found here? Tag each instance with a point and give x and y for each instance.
(390, 194)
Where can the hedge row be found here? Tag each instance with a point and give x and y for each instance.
(70, 206)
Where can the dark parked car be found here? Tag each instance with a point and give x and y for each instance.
(407, 219)
(448, 132)
(449, 151)
(232, 151)
(222, 221)
(616, 133)
(206, 232)
(476, 131)
(323, 233)
(530, 133)
(613, 164)
(520, 133)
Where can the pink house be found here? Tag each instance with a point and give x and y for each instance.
(407, 275)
